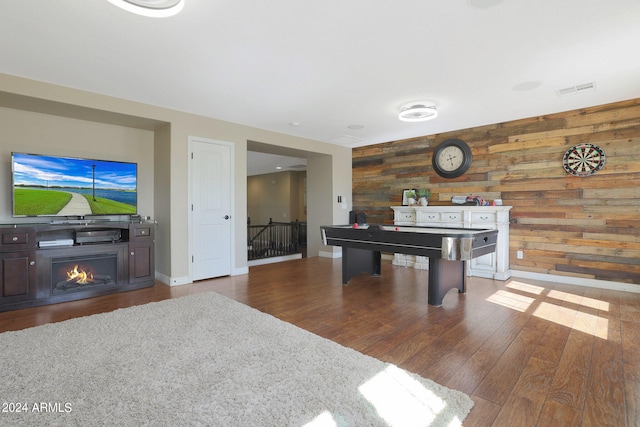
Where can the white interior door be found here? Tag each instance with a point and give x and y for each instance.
(211, 208)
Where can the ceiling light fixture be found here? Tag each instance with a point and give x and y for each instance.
(418, 112)
(152, 8)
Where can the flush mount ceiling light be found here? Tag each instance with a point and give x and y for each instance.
(152, 8)
(418, 112)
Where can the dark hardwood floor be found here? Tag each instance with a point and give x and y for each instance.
(528, 353)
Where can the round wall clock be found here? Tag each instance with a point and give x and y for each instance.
(451, 158)
(583, 159)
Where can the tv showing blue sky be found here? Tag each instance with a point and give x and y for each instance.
(49, 171)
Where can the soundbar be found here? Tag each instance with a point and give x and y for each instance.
(98, 236)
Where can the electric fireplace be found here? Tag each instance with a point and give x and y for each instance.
(83, 272)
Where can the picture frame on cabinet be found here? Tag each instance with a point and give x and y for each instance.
(406, 193)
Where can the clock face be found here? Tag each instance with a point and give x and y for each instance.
(451, 158)
(583, 159)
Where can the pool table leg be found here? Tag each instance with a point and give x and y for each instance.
(443, 276)
(356, 261)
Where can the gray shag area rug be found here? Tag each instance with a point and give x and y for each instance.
(205, 360)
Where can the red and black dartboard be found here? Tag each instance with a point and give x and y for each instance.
(583, 159)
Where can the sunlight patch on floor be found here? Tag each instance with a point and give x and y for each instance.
(525, 287)
(588, 323)
(560, 295)
(399, 399)
(325, 419)
(517, 302)
(579, 300)
(577, 320)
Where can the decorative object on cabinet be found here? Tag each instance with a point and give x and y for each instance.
(451, 158)
(409, 197)
(583, 159)
(423, 197)
(491, 266)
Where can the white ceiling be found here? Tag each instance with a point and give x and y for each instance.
(328, 65)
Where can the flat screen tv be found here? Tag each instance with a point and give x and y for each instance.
(67, 186)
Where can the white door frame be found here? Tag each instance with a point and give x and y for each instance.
(231, 145)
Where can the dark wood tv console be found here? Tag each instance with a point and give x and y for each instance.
(44, 264)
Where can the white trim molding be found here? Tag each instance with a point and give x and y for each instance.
(578, 281)
(172, 281)
(272, 260)
(326, 254)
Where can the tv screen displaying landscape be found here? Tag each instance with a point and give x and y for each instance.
(67, 186)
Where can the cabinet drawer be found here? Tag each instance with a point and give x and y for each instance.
(451, 217)
(15, 238)
(405, 217)
(483, 218)
(429, 217)
(142, 231)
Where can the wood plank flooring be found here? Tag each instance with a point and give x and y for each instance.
(528, 353)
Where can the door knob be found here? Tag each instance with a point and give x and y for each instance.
(226, 217)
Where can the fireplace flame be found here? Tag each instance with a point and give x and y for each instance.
(80, 277)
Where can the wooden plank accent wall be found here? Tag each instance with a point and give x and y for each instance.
(565, 225)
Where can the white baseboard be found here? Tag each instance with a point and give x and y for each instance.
(325, 254)
(178, 281)
(578, 281)
(172, 281)
(240, 271)
(274, 259)
(162, 278)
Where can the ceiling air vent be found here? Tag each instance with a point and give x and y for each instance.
(344, 140)
(576, 89)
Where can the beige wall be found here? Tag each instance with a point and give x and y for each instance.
(298, 196)
(36, 133)
(278, 196)
(158, 139)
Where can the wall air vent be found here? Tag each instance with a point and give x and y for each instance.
(585, 87)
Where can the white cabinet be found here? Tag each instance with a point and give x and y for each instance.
(492, 266)
(406, 215)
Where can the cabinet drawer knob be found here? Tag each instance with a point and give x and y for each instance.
(133, 253)
(14, 238)
(32, 263)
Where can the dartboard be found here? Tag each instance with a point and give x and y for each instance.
(583, 159)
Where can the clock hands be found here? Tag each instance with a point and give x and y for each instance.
(450, 158)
